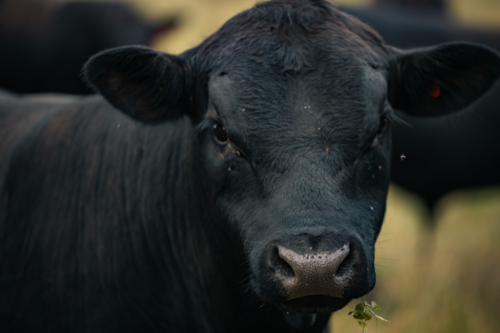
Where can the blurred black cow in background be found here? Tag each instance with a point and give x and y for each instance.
(46, 43)
(429, 6)
(457, 152)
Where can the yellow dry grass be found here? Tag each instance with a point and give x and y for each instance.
(200, 18)
(444, 282)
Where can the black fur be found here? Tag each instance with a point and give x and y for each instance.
(457, 152)
(461, 71)
(108, 224)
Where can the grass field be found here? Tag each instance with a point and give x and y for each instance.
(442, 282)
(446, 281)
(200, 18)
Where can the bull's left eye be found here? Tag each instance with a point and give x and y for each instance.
(219, 132)
(384, 124)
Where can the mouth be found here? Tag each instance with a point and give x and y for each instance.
(315, 304)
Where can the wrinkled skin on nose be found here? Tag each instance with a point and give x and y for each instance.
(316, 273)
(312, 273)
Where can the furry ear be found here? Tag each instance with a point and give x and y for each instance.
(144, 84)
(442, 79)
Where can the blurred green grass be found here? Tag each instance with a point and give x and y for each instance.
(446, 281)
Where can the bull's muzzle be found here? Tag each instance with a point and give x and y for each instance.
(313, 271)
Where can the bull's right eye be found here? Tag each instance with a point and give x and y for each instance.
(384, 124)
(219, 132)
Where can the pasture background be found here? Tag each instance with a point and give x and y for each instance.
(446, 281)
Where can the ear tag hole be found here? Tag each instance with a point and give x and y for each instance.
(435, 90)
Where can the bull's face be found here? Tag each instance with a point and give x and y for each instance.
(300, 170)
(291, 105)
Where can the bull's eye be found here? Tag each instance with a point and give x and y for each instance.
(384, 124)
(219, 132)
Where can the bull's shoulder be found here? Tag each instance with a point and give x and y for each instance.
(61, 129)
(30, 120)
(20, 112)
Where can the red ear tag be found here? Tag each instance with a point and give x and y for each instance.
(435, 90)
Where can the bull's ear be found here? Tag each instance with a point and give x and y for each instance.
(438, 80)
(144, 84)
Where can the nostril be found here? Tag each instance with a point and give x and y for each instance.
(344, 266)
(280, 265)
(345, 270)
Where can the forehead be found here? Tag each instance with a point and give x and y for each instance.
(299, 66)
(292, 36)
(320, 93)
(294, 115)
(294, 50)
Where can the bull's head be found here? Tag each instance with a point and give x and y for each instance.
(291, 104)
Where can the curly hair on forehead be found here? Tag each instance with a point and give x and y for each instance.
(304, 13)
(310, 14)
(290, 18)
(282, 31)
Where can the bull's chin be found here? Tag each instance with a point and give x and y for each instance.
(315, 304)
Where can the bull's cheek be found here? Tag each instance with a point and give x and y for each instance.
(217, 164)
(370, 269)
(374, 176)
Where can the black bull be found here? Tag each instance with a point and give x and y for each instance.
(238, 187)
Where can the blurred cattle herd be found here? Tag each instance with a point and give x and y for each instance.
(45, 44)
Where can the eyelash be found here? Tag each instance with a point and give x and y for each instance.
(384, 124)
(219, 132)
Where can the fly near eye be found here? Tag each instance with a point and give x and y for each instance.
(219, 132)
(384, 124)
